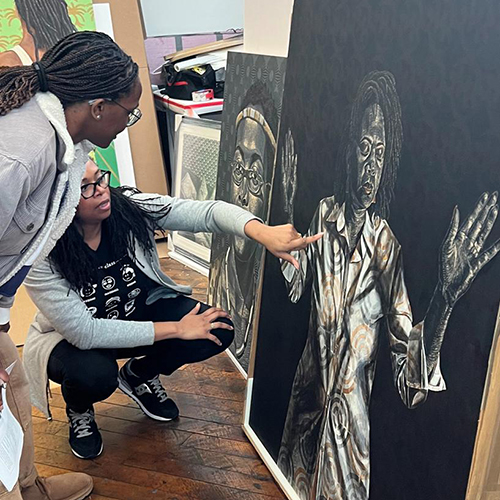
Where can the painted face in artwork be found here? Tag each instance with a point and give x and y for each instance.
(249, 188)
(369, 158)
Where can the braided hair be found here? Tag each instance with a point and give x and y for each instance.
(82, 66)
(129, 221)
(47, 21)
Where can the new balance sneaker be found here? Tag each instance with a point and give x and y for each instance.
(85, 439)
(150, 395)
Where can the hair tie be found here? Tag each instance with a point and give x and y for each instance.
(42, 77)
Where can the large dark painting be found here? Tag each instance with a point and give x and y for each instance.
(252, 108)
(372, 357)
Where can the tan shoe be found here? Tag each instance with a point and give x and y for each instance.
(71, 486)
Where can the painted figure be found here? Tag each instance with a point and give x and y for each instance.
(234, 275)
(44, 23)
(357, 278)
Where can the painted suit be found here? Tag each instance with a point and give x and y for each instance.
(325, 449)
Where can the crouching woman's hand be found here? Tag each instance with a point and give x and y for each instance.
(279, 240)
(194, 326)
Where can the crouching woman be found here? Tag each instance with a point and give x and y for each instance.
(102, 297)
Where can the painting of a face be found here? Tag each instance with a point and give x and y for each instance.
(248, 184)
(252, 107)
(369, 158)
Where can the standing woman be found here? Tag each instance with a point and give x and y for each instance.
(85, 88)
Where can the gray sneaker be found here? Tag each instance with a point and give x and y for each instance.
(149, 395)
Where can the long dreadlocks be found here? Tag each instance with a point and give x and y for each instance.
(47, 21)
(82, 66)
(129, 221)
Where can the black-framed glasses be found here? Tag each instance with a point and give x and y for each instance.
(255, 180)
(88, 190)
(134, 115)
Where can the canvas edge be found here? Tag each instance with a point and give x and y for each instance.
(237, 364)
(488, 428)
(261, 450)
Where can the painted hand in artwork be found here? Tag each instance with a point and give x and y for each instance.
(462, 255)
(289, 179)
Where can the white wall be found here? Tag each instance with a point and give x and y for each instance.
(267, 26)
(182, 17)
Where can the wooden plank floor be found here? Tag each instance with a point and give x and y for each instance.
(203, 455)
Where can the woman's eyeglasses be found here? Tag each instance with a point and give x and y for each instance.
(134, 115)
(88, 190)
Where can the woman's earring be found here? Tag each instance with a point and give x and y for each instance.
(98, 117)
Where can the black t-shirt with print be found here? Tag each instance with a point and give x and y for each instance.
(121, 289)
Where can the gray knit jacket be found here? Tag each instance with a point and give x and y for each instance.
(40, 175)
(63, 314)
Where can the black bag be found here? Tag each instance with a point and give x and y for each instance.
(181, 84)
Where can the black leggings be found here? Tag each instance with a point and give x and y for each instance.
(89, 376)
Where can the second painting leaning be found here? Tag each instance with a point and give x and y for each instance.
(250, 121)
